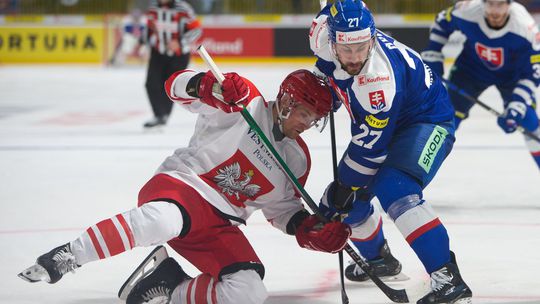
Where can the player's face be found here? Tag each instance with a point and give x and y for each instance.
(300, 119)
(353, 56)
(496, 12)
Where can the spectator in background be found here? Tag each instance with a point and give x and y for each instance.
(8, 6)
(171, 28)
(297, 6)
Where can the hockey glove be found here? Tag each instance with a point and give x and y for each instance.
(229, 96)
(341, 198)
(315, 235)
(512, 117)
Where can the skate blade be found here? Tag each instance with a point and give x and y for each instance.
(145, 268)
(395, 278)
(154, 130)
(34, 273)
(464, 301)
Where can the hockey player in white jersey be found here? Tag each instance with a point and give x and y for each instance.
(201, 193)
(502, 49)
(402, 130)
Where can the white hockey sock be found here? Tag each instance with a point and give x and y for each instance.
(242, 287)
(151, 224)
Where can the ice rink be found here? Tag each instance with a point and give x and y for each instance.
(73, 152)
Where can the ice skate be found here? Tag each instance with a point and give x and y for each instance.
(156, 122)
(158, 286)
(51, 266)
(447, 287)
(147, 266)
(387, 268)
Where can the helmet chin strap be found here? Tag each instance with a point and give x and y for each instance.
(280, 116)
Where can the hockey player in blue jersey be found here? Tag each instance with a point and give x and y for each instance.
(402, 130)
(501, 49)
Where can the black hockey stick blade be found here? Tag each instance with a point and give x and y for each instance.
(145, 268)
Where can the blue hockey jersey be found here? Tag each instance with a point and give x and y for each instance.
(394, 90)
(506, 56)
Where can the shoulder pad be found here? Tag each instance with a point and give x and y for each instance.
(469, 10)
(318, 34)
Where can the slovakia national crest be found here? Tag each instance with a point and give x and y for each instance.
(233, 182)
(493, 58)
(377, 101)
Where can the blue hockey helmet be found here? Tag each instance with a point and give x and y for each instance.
(350, 21)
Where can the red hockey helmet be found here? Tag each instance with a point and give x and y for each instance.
(309, 90)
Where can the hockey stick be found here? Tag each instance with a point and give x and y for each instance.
(461, 92)
(344, 297)
(396, 295)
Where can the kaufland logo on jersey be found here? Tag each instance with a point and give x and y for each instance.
(312, 28)
(365, 79)
(377, 101)
(353, 37)
(493, 58)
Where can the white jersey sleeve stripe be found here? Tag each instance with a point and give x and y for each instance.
(437, 38)
(378, 160)
(358, 167)
(528, 84)
(523, 94)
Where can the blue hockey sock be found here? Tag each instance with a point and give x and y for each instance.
(370, 249)
(432, 248)
(536, 157)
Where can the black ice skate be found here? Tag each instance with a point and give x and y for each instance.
(447, 286)
(157, 121)
(158, 286)
(51, 266)
(387, 267)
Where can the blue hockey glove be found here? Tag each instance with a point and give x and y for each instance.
(512, 117)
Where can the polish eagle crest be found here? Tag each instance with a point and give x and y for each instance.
(232, 182)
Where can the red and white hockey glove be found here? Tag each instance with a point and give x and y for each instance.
(316, 235)
(229, 96)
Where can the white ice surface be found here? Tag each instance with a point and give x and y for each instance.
(73, 152)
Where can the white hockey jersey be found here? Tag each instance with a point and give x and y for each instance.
(229, 165)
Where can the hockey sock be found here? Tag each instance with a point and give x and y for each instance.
(369, 237)
(151, 224)
(370, 248)
(432, 247)
(244, 286)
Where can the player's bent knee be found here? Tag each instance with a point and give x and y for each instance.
(411, 214)
(242, 287)
(154, 223)
(402, 205)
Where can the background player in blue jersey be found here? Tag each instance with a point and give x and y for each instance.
(501, 49)
(402, 130)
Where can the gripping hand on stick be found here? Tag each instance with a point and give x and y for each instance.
(229, 96)
(315, 235)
